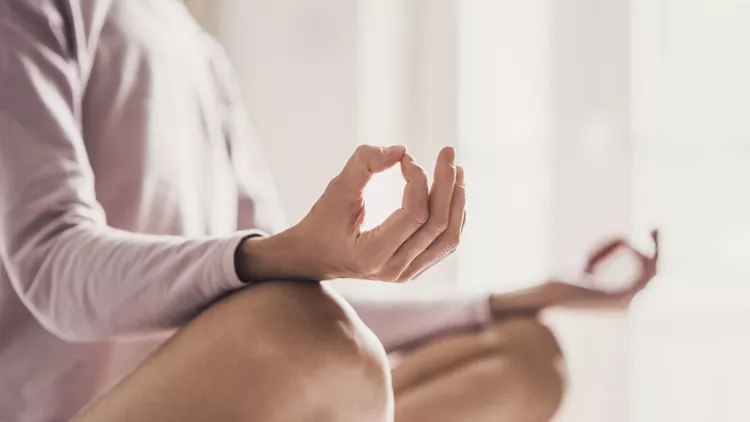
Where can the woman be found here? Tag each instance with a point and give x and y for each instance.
(126, 171)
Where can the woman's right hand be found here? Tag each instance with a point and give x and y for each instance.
(329, 243)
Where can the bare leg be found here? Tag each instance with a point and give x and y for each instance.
(509, 372)
(274, 352)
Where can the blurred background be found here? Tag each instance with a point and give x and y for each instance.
(574, 119)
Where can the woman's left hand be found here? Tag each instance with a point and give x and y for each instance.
(571, 294)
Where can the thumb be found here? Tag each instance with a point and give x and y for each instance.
(604, 251)
(367, 161)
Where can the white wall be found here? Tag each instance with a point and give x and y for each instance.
(546, 93)
(323, 76)
(297, 63)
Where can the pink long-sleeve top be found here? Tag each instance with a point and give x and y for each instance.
(126, 170)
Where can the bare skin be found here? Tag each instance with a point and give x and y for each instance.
(512, 371)
(582, 294)
(294, 351)
(282, 351)
(329, 242)
(241, 359)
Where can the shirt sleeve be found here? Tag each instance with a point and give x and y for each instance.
(258, 201)
(400, 323)
(81, 279)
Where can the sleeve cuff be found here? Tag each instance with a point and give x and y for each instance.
(229, 277)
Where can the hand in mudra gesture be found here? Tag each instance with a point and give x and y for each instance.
(329, 242)
(584, 291)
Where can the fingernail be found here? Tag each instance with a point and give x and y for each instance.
(459, 175)
(451, 153)
(395, 149)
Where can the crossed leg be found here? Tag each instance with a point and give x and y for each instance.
(509, 372)
(290, 351)
(277, 352)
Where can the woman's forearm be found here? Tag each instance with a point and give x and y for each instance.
(399, 323)
(526, 301)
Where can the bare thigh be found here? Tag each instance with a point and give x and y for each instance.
(280, 351)
(511, 371)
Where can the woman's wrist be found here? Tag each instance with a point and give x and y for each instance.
(277, 257)
(520, 303)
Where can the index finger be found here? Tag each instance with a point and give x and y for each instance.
(603, 252)
(368, 160)
(383, 240)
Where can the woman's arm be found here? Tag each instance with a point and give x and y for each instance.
(585, 291)
(401, 323)
(81, 279)
(86, 281)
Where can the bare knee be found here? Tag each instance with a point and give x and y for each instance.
(529, 336)
(312, 346)
(274, 352)
(533, 366)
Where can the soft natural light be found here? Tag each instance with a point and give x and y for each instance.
(691, 99)
(575, 120)
(683, 94)
(504, 142)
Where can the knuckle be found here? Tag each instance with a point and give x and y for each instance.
(433, 233)
(362, 265)
(334, 184)
(365, 150)
(361, 149)
(439, 224)
(452, 241)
